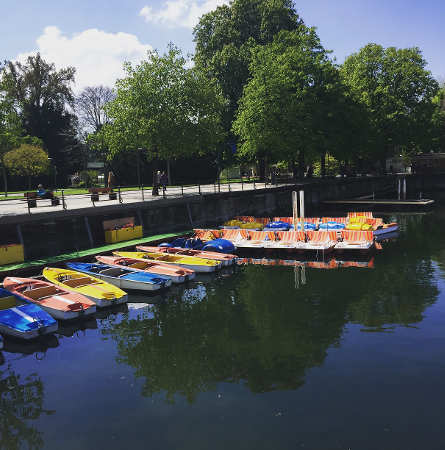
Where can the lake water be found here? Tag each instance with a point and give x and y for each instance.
(269, 357)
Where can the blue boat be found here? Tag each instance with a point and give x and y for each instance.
(22, 319)
(278, 225)
(122, 277)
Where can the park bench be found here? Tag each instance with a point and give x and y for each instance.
(95, 192)
(32, 197)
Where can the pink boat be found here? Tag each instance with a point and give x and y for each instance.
(226, 259)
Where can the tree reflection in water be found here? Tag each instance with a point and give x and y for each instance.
(256, 327)
(20, 402)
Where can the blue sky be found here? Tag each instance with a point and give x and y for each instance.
(97, 36)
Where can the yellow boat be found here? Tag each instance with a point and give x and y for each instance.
(199, 265)
(100, 292)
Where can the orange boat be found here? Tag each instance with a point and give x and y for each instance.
(57, 301)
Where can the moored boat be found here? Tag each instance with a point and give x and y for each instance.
(226, 259)
(189, 262)
(22, 319)
(176, 274)
(58, 301)
(123, 278)
(98, 291)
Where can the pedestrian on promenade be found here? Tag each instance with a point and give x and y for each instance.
(164, 181)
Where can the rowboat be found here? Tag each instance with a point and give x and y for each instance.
(123, 278)
(22, 319)
(58, 301)
(226, 259)
(98, 291)
(189, 262)
(176, 274)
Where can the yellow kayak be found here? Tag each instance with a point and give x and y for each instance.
(100, 292)
(199, 265)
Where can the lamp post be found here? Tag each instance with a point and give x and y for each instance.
(55, 173)
(137, 158)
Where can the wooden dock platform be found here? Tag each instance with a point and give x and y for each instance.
(375, 201)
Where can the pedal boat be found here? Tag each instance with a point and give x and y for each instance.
(226, 259)
(177, 274)
(57, 301)
(362, 241)
(22, 319)
(189, 262)
(98, 291)
(123, 278)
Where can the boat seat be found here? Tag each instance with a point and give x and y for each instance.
(40, 292)
(138, 265)
(7, 302)
(77, 282)
(112, 272)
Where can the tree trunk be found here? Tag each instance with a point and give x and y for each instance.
(168, 172)
(301, 163)
(294, 174)
(323, 165)
(29, 182)
(6, 183)
(155, 190)
(262, 164)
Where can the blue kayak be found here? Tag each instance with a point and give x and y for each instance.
(22, 319)
(122, 277)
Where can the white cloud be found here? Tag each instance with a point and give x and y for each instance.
(97, 56)
(182, 13)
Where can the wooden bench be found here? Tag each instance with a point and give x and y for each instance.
(32, 198)
(101, 190)
(95, 192)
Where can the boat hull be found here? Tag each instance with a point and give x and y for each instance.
(177, 275)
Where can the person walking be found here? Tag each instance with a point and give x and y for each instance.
(164, 181)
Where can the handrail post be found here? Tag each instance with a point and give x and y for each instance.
(142, 186)
(27, 201)
(63, 201)
(254, 183)
(120, 197)
(182, 188)
(228, 180)
(92, 195)
(199, 188)
(242, 185)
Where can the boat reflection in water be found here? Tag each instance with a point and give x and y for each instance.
(38, 346)
(78, 328)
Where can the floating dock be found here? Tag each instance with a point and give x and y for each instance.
(394, 202)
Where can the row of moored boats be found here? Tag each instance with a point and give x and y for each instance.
(30, 307)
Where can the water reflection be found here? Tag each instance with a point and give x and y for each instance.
(21, 400)
(271, 322)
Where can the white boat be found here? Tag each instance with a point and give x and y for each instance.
(362, 241)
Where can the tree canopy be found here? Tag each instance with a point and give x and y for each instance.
(397, 91)
(27, 160)
(165, 108)
(225, 37)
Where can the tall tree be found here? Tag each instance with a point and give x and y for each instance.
(295, 102)
(165, 108)
(46, 97)
(225, 37)
(90, 107)
(397, 90)
(10, 124)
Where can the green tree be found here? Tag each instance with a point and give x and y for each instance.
(295, 102)
(225, 37)
(397, 90)
(27, 160)
(46, 98)
(165, 108)
(10, 124)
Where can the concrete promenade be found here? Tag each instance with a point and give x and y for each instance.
(16, 208)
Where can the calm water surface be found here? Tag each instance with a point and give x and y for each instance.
(268, 357)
